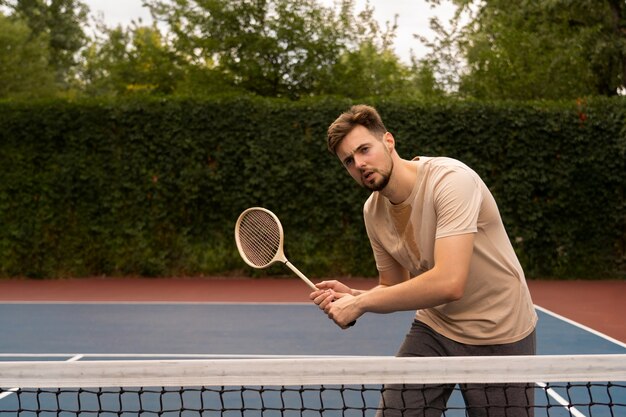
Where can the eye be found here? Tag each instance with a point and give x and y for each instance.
(348, 161)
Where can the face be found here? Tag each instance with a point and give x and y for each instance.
(367, 158)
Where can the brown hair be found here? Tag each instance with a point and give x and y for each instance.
(360, 114)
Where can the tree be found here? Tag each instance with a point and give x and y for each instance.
(369, 67)
(61, 22)
(547, 49)
(131, 60)
(24, 66)
(367, 72)
(276, 48)
(424, 80)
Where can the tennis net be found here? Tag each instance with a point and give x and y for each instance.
(582, 385)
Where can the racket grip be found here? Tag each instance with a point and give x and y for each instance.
(308, 282)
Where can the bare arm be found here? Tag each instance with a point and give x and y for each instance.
(444, 283)
(329, 290)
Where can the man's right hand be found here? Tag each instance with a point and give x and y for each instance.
(326, 292)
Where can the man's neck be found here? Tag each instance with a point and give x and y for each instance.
(401, 183)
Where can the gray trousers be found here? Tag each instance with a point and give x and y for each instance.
(510, 400)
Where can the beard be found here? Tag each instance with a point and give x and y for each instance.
(382, 182)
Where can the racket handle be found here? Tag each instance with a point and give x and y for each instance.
(301, 275)
(308, 282)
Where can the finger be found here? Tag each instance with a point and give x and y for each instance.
(324, 299)
(324, 285)
(348, 325)
(339, 295)
(342, 326)
(328, 302)
(319, 293)
(324, 303)
(316, 294)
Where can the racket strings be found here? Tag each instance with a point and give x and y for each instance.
(259, 235)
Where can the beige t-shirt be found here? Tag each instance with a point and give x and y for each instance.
(450, 199)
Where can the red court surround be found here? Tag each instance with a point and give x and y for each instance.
(600, 305)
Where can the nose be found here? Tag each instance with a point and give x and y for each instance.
(358, 161)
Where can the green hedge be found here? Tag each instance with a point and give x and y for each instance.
(154, 187)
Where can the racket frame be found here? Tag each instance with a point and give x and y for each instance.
(279, 256)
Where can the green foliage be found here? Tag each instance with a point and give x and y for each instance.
(24, 65)
(549, 49)
(154, 187)
(493, 50)
(277, 48)
(534, 47)
(555, 169)
(368, 72)
(130, 61)
(61, 22)
(281, 48)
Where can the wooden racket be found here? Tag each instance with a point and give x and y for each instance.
(259, 236)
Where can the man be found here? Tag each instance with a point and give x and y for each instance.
(441, 249)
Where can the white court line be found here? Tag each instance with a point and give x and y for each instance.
(12, 390)
(552, 393)
(172, 356)
(574, 412)
(8, 392)
(581, 326)
(75, 357)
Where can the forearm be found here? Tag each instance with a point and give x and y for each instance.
(358, 293)
(427, 290)
(444, 283)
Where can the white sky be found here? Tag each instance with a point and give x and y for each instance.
(413, 17)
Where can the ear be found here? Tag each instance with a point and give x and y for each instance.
(389, 141)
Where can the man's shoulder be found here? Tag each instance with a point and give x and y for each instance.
(439, 167)
(370, 202)
(374, 203)
(441, 162)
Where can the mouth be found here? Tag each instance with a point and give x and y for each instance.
(368, 176)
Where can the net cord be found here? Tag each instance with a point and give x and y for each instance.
(313, 371)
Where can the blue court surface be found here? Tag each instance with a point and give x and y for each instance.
(59, 331)
(233, 329)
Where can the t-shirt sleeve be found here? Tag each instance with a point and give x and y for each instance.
(457, 200)
(384, 261)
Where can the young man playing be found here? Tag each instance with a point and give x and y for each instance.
(441, 249)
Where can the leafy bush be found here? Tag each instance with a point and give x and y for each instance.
(154, 187)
